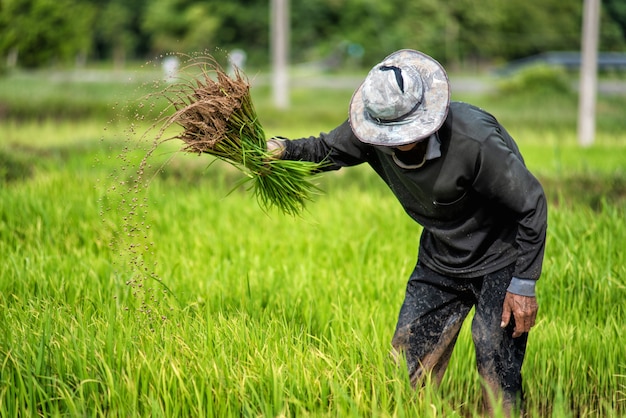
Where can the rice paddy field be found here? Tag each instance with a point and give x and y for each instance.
(175, 294)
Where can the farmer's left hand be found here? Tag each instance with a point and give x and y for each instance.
(524, 310)
(276, 147)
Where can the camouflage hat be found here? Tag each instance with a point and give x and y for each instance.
(403, 99)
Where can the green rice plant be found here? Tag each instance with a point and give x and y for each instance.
(218, 117)
(291, 318)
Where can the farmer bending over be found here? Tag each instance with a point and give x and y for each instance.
(459, 174)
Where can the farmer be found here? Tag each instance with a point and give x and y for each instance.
(458, 173)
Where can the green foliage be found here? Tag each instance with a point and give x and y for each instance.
(180, 25)
(290, 317)
(114, 25)
(542, 80)
(534, 26)
(43, 32)
(200, 304)
(614, 22)
(74, 95)
(325, 32)
(13, 167)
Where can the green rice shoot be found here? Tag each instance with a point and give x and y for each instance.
(217, 117)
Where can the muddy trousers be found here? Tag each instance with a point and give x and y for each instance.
(430, 319)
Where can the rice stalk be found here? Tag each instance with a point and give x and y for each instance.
(217, 117)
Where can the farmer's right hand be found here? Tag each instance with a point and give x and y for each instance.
(523, 309)
(276, 147)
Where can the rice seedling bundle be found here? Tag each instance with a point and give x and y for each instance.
(217, 116)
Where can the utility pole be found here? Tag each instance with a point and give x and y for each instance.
(279, 31)
(588, 73)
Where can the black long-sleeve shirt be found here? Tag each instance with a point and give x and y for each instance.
(480, 207)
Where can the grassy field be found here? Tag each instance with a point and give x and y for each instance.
(183, 298)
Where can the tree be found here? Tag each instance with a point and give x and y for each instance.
(180, 25)
(616, 10)
(114, 25)
(613, 26)
(41, 32)
(190, 26)
(117, 31)
(456, 32)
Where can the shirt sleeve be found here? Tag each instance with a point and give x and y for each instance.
(338, 148)
(522, 287)
(502, 176)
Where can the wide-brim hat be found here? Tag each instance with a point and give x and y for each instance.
(403, 99)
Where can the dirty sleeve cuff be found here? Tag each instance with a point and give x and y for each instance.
(522, 287)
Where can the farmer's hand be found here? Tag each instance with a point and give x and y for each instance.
(524, 310)
(276, 147)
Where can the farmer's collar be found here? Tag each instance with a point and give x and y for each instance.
(405, 160)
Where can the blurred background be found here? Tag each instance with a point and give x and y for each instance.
(54, 47)
(68, 67)
(462, 34)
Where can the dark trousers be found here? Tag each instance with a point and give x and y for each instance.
(430, 319)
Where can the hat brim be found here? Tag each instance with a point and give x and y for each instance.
(423, 122)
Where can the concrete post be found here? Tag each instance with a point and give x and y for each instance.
(588, 73)
(279, 22)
